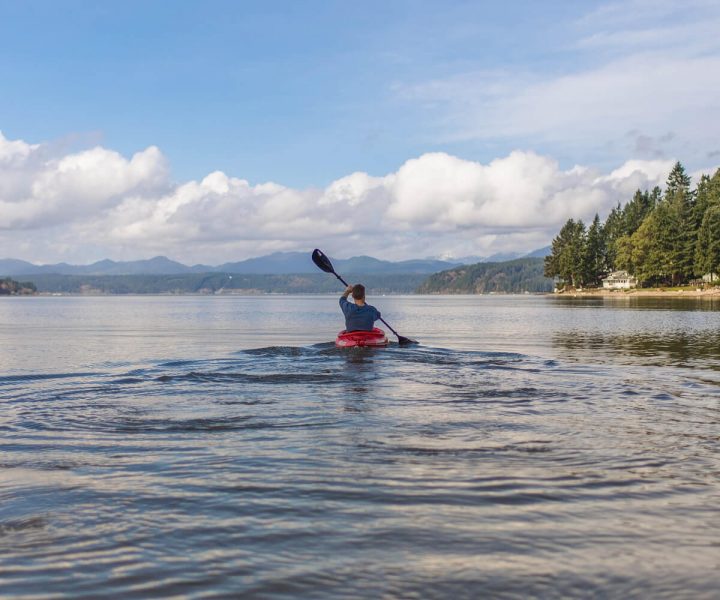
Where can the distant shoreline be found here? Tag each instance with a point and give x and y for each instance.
(258, 294)
(643, 293)
(711, 293)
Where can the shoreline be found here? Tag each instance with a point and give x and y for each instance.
(603, 293)
(709, 293)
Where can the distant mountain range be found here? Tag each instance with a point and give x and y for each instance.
(278, 263)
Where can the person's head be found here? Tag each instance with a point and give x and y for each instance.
(358, 291)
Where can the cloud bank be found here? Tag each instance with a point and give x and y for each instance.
(88, 205)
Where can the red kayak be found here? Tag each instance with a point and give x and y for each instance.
(351, 339)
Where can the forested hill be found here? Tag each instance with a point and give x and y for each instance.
(515, 276)
(10, 287)
(220, 283)
(511, 277)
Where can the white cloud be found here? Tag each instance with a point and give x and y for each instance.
(645, 93)
(620, 72)
(38, 190)
(14, 150)
(97, 203)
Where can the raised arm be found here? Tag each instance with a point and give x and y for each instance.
(344, 304)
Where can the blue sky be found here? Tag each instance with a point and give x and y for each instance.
(296, 92)
(304, 94)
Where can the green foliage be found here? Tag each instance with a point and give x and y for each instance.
(647, 260)
(514, 276)
(625, 253)
(678, 181)
(708, 236)
(707, 256)
(594, 254)
(614, 229)
(662, 238)
(681, 233)
(567, 257)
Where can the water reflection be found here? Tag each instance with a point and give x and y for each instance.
(358, 375)
(670, 302)
(683, 349)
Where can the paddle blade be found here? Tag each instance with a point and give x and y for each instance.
(403, 341)
(322, 261)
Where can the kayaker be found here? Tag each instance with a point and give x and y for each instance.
(358, 316)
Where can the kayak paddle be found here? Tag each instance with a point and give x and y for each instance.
(324, 264)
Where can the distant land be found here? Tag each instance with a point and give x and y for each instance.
(268, 275)
(221, 283)
(516, 277)
(278, 263)
(10, 287)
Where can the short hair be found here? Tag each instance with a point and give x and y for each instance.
(358, 291)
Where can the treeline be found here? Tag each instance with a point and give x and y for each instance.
(212, 283)
(10, 287)
(662, 238)
(510, 277)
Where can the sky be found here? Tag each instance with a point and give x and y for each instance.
(219, 130)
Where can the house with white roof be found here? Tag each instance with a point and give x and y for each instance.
(619, 280)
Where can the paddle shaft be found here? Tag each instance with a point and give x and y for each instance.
(346, 284)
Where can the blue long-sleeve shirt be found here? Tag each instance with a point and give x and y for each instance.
(358, 318)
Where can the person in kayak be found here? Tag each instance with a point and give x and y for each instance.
(358, 316)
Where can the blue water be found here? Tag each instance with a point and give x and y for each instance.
(208, 447)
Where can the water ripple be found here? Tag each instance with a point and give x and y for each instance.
(315, 472)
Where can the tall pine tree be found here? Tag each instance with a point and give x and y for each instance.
(566, 259)
(707, 257)
(680, 235)
(707, 197)
(614, 229)
(644, 250)
(595, 255)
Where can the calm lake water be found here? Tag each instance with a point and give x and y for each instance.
(221, 446)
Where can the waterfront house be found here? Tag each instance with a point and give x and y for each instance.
(710, 278)
(619, 280)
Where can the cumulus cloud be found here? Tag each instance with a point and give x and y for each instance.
(38, 190)
(96, 203)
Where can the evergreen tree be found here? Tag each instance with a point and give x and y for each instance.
(707, 256)
(567, 253)
(635, 211)
(677, 181)
(654, 198)
(595, 254)
(703, 198)
(645, 253)
(551, 263)
(613, 231)
(707, 196)
(663, 233)
(571, 261)
(625, 249)
(678, 233)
